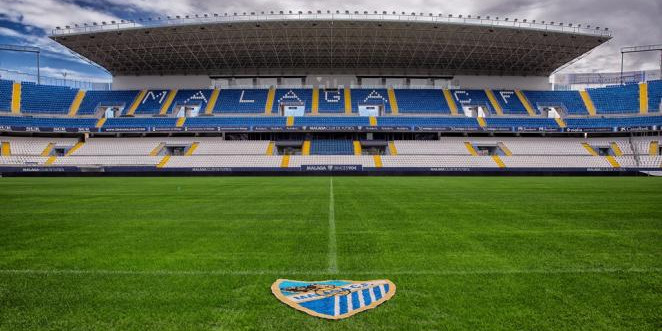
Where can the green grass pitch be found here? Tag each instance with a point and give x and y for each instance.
(201, 253)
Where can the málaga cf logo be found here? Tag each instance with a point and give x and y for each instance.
(333, 299)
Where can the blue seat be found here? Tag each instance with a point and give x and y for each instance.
(6, 91)
(655, 96)
(152, 102)
(94, 99)
(191, 98)
(304, 96)
(509, 102)
(373, 97)
(241, 101)
(471, 98)
(423, 101)
(571, 101)
(331, 101)
(331, 147)
(46, 99)
(616, 99)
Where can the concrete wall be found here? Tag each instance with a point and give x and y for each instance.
(160, 82)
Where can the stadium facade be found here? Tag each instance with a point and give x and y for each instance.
(330, 92)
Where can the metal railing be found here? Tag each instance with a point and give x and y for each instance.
(262, 16)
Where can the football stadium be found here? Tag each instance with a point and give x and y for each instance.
(244, 164)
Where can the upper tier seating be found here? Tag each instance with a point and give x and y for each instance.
(191, 98)
(46, 99)
(471, 98)
(94, 99)
(370, 97)
(331, 101)
(331, 147)
(152, 102)
(618, 99)
(509, 102)
(290, 96)
(655, 96)
(428, 101)
(6, 90)
(571, 101)
(241, 101)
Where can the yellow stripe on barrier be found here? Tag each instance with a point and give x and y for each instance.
(212, 102)
(643, 98)
(136, 102)
(393, 100)
(316, 101)
(451, 102)
(16, 98)
(165, 108)
(270, 101)
(588, 102)
(348, 101)
(75, 105)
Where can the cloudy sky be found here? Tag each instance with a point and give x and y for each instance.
(28, 22)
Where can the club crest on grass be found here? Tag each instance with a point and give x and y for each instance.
(333, 299)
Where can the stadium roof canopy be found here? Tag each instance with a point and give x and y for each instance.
(340, 43)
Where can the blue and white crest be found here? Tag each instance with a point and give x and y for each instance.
(333, 299)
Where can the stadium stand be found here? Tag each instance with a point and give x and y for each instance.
(509, 102)
(293, 96)
(425, 101)
(373, 97)
(241, 101)
(655, 96)
(152, 102)
(192, 98)
(570, 101)
(331, 101)
(6, 90)
(472, 98)
(46, 99)
(331, 147)
(619, 99)
(95, 99)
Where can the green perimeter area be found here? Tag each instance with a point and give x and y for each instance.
(201, 253)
